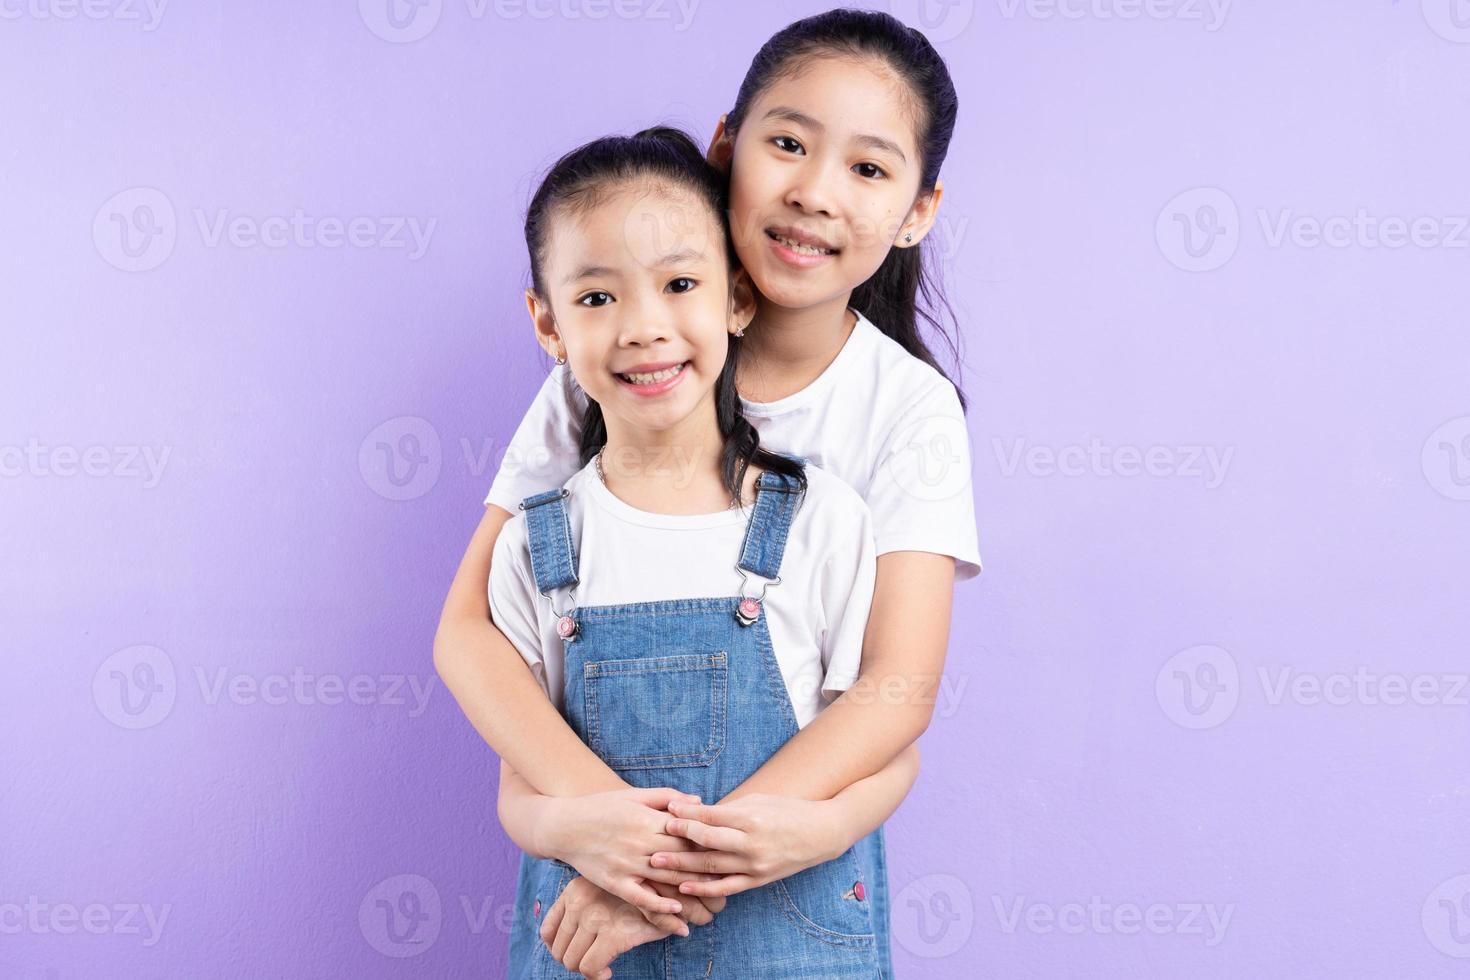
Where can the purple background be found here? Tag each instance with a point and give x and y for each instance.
(1110, 763)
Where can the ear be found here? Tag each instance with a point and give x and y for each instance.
(545, 325)
(721, 147)
(921, 217)
(742, 300)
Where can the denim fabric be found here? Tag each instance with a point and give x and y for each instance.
(679, 693)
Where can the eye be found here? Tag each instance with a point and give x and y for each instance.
(595, 299)
(869, 170)
(788, 144)
(681, 285)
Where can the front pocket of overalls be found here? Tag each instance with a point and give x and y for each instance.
(828, 902)
(657, 712)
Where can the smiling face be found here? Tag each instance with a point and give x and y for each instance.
(638, 296)
(824, 179)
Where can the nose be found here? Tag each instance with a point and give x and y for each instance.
(813, 189)
(645, 322)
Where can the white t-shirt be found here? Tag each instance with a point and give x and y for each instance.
(816, 614)
(879, 419)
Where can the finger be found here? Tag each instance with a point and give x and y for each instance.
(552, 921)
(673, 876)
(722, 887)
(714, 838)
(646, 899)
(714, 814)
(565, 933)
(667, 923)
(599, 958)
(577, 949)
(699, 913)
(700, 865)
(659, 797)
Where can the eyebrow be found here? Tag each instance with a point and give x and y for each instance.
(862, 139)
(680, 257)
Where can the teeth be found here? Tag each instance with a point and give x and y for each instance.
(655, 377)
(800, 248)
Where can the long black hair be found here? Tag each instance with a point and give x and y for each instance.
(583, 177)
(907, 287)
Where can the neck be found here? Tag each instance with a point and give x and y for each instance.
(787, 349)
(676, 470)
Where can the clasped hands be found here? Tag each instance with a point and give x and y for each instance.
(653, 862)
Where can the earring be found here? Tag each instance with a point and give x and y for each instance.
(908, 237)
(740, 332)
(561, 358)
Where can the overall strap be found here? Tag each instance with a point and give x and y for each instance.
(776, 500)
(549, 533)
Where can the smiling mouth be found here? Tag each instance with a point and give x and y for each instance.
(800, 248)
(654, 377)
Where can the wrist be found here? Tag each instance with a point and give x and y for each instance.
(836, 830)
(553, 835)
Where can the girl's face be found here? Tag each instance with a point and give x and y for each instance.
(639, 299)
(824, 178)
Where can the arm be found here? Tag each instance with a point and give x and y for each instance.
(495, 689)
(891, 703)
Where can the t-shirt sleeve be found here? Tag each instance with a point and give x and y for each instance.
(846, 592)
(513, 597)
(544, 452)
(921, 495)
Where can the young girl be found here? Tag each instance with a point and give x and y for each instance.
(834, 146)
(605, 584)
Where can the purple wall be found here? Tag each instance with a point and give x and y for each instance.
(1207, 712)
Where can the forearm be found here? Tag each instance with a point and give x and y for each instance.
(892, 701)
(864, 806)
(526, 814)
(496, 690)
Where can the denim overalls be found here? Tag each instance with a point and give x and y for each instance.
(687, 693)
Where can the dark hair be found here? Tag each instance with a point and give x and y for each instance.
(905, 288)
(579, 181)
